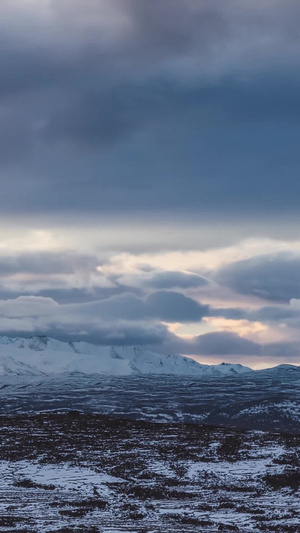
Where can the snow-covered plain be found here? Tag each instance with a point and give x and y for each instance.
(92, 474)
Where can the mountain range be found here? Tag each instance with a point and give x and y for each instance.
(41, 355)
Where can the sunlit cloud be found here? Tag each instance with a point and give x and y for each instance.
(244, 328)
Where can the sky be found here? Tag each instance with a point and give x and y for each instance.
(150, 175)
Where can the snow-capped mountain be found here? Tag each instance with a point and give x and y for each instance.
(230, 368)
(43, 355)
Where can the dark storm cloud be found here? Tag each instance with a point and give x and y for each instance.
(225, 343)
(78, 47)
(271, 277)
(15, 137)
(118, 334)
(107, 117)
(102, 334)
(168, 306)
(274, 314)
(135, 104)
(143, 32)
(111, 115)
(160, 305)
(175, 307)
(283, 350)
(171, 28)
(25, 70)
(91, 322)
(255, 142)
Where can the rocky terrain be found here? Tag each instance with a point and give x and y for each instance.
(75, 472)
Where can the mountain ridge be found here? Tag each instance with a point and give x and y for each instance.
(42, 355)
(38, 355)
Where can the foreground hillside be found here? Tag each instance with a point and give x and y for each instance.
(268, 401)
(89, 473)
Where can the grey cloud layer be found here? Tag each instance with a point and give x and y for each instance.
(125, 321)
(173, 279)
(227, 345)
(47, 263)
(131, 105)
(271, 277)
(119, 314)
(167, 306)
(69, 277)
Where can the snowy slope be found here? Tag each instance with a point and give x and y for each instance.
(231, 369)
(10, 366)
(43, 355)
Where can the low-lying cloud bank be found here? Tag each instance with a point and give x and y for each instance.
(241, 308)
(129, 320)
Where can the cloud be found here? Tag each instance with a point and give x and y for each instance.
(28, 306)
(129, 320)
(283, 350)
(274, 314)
(168, 306)
(40, 272)
(267, 314)
(113, 114)
(271, 277)
(227, 346)
(40, 315)
(175, 307)
(53, 263)
(114, 102)
(148, 277)
(75, 295)
(225, 343)
(122, 312)
(106, 334)
(179, 280)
